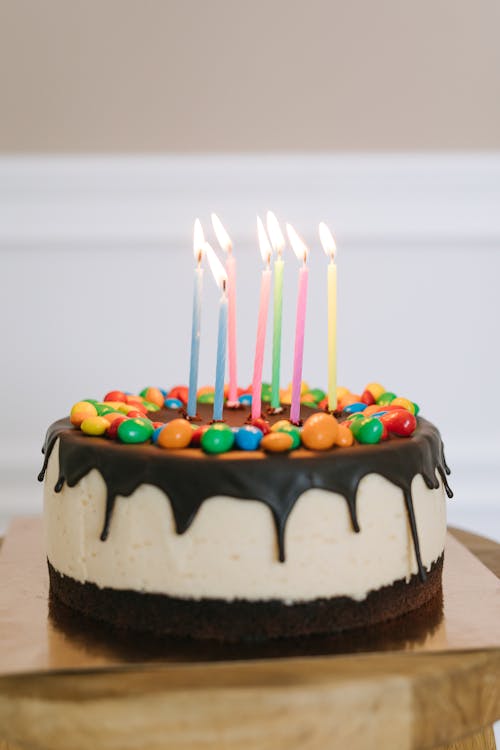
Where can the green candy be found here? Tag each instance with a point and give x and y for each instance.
(92, 401)
(137, 430)
(206, 398)
(150, 406)
(219, 438)
(266, 393)
(309, 404)
(317, 394)
(417, 407)
(144, 391)
(385, 398)
(368, 430)
(294, 433)
(357, 417)
(103, 409)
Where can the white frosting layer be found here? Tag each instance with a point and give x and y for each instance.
(230, 550)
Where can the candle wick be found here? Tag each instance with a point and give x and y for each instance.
(200, 258)
(224, 284)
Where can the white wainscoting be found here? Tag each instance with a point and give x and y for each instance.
(96, 272)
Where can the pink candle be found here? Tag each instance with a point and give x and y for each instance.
(231, 329)
(225, 242)
(301, 251)
(265, 290)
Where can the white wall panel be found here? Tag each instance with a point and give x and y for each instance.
(96, 271)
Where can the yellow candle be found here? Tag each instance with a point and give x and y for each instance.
(332, 336)
(329, 247)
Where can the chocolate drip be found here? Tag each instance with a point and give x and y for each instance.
(189, 477)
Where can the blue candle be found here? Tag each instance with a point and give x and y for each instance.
(220, 277)
(198, 244)
(221, 357)
(195, 342)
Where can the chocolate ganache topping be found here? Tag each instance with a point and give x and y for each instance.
(190, 476)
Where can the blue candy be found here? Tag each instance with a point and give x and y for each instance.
(173, 403)
(246, 399)
(248, 438)
(154, 437)
(355, 408)
(378, 413)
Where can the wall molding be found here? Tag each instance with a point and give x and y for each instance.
(118, 202)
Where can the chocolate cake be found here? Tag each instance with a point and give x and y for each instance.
(243, 544)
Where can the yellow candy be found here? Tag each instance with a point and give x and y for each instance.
(94, 425)
(342, 392)
(176, 434)
(286, 397)
(80, 411)
(115, 404)
(304, 387)
(376, 389)
(276, 442)
(404, 403)
(279, 425)
(125, 408)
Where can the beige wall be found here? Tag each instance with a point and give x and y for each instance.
(187, 75)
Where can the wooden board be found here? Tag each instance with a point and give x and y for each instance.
(420, 688)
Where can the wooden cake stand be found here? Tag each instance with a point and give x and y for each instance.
(66, 685)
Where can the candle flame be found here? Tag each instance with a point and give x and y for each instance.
(265, 246)
(198, 241)
(327, 240)
(298, 245)
(275, 233)
(216, 267)
(223, 238)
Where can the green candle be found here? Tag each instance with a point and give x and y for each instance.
(277, 312)
(278, 243)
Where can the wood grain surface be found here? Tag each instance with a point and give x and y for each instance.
(380, 700)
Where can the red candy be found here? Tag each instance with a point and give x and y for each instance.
(197, 435)
(112, 430)
(115, 396)
(367, 398)
(262, 424)
(158, 424)
(136, 413)
(181, 392)
(399, 422)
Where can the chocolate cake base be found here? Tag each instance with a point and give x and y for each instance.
(241, 619)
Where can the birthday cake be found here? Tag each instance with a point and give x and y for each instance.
(244, 529)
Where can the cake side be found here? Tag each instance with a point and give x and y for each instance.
(230, 548)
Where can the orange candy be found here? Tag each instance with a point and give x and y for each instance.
(344, 437)
(176, 434)
(205, 389)
(276, 442)
(319, 432)
(347, 400)
(373, 409)
(80, 411)
(155, 396)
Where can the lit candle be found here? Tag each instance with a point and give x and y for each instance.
(198, 243)
(220, 277)
(224, 241)
(278, 243)
(330, 249)
(301, 252)
(265, 290)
